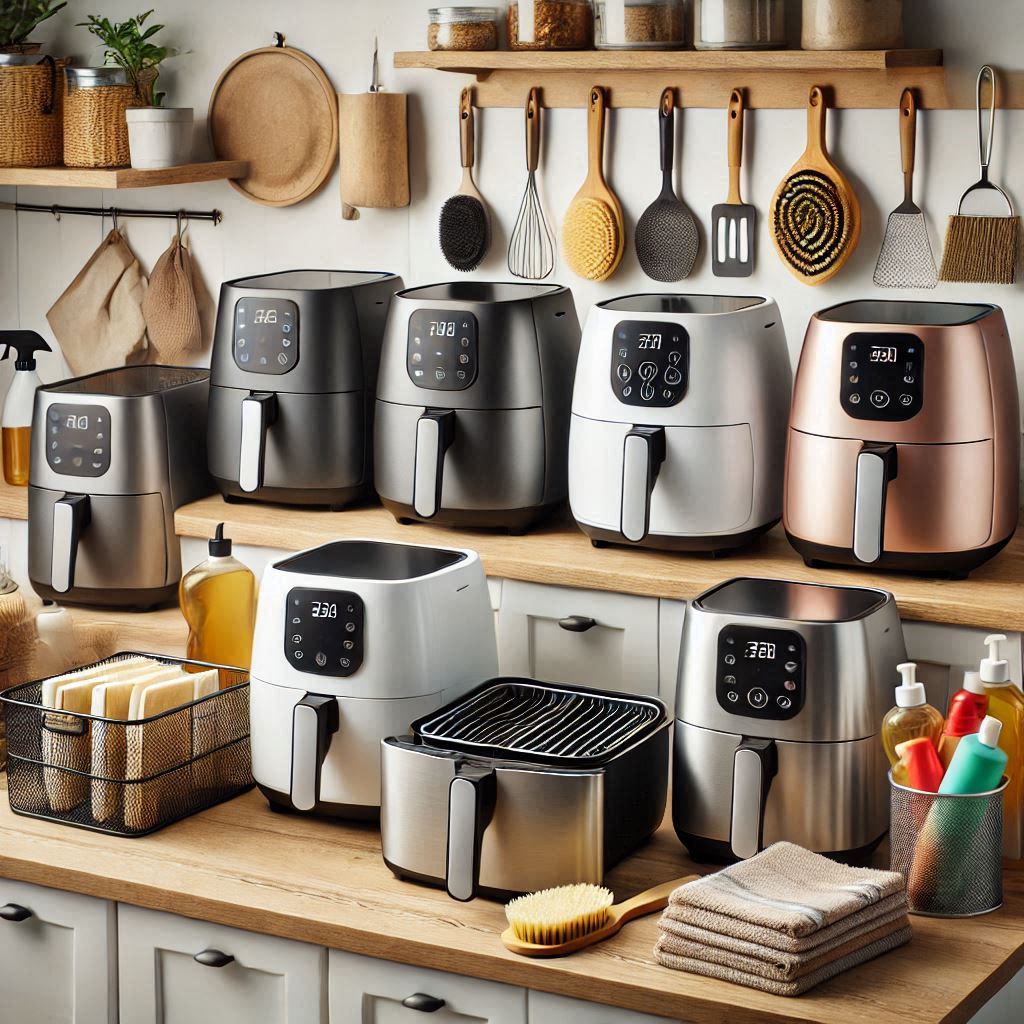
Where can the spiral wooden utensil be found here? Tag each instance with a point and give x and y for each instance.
(464, 227)
(815, 216)
(594, 233)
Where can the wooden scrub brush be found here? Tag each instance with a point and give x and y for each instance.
(554, 922)
(594, 232)
(464, 227)
(982, 250)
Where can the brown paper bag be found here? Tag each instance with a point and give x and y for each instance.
(171, 309)
(98, 320)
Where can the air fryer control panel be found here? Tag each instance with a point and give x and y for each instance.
(650, 363)
(324, 631)
(266, 338)
(78, 439)
(442, 350)
(760, 672)
(883, 376)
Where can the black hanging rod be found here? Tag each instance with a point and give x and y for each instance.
(114, 212)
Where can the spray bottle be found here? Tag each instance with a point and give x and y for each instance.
(16, 421)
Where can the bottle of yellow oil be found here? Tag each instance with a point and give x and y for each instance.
(16, 419)
(218, 600)
(911, 718)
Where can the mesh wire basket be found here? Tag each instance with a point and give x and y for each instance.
(128, 778)
(949, 849)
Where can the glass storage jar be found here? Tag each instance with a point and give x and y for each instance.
(739, 24)
(550, 25)
(641, 24)
(463, 28)
(852, 24)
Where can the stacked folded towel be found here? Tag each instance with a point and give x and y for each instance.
(783, 921)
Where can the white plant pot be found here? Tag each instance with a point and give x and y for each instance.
(159, 136)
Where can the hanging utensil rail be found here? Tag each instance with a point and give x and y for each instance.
(215, 216)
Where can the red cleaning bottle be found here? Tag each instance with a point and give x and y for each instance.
(921, 764)
(973, 690)
(961, 721)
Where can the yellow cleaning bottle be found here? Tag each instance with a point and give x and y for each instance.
(1006, 703)
(218, 600)
(912, 717)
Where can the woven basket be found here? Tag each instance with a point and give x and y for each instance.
(31, 114)
(95, 128)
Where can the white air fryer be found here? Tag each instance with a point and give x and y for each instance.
(354, 641)
(678, 433)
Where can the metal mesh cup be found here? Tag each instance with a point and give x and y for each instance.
(949, 849)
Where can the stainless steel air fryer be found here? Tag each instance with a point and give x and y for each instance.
(781, 694)
(521, 785)
(113, 455)
(472, 419)
(294, 369)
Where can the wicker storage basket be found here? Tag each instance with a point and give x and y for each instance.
(95, 128)
(31, 114)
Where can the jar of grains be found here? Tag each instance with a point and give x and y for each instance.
(641, 24)
(852, 24)
(463, 28)
(550, 25)
(739, 24)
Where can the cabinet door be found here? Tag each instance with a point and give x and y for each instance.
(368, 991)
(58, 956)
(587, 637)
(549, 1009)
(246, 977)
(670, 634)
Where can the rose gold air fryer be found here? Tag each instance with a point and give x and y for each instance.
(904, 438)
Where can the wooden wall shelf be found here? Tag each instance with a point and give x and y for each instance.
(122, 177)
(635, 78)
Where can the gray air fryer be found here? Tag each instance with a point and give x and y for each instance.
(113, 455)
(781, 694)
(294, 369)
(473, 402)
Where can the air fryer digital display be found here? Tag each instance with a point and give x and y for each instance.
(883, 376)
(266, 338)
(650, 363)
(324, 631)
(78, 439)
(760, 672)
(442, 350)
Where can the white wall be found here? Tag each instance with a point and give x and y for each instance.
(38, 256)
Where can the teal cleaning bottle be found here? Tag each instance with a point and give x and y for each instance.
(978, 765)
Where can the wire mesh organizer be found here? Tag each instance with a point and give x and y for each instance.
(949, 849)
(128, 778)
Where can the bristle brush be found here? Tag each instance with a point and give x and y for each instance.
(555, 922)
(464, 228)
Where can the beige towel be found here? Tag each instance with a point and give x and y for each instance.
(98, 320)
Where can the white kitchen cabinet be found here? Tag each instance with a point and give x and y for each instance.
(588, 637)
(368, 991)
(174, 970)
(545, 1008)
(58, 956)
(670, 635)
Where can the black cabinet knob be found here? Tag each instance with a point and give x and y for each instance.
(213, 958)
(422, 1002)
(12, 912)
(577, 623)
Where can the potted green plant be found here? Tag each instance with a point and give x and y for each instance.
(18, 19)
(158, 136)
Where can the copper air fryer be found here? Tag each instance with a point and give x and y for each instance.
(904, 437)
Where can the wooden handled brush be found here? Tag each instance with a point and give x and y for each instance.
(464, 226)
(555, 922)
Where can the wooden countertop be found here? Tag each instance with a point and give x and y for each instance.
(321, 882)
(558, 553)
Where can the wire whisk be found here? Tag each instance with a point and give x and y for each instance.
(531, 250)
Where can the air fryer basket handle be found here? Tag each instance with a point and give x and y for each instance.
(754, 765)
(876, 466)
(435, 431)
(71, 516)
(471, 799)
(259, 411)
(643, 452)
(314, 722)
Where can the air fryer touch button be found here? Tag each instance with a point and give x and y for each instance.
(266, 335)
(760, 672)
(325, 632)
(78, 439)
(442, 349)
(657, 355)
(882, 377)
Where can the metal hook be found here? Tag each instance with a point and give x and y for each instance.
(113, 218)
(56, 212)
(279, 39)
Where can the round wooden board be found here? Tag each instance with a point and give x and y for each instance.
(275, 108)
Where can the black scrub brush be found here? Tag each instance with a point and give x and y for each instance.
(464, 229)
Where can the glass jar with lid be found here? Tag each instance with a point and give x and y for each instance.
(739, 24)
(550, 25)
(641, 24)
(463, 28)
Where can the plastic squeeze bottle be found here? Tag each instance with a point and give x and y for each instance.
(16, 419)
(979, 764)
(218, 600)
(974, 691)
(919, 764)
(1006, 703)
(963, 720)
(912, 716)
